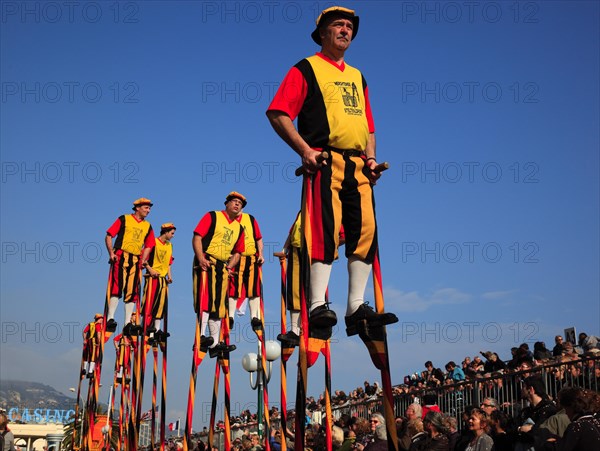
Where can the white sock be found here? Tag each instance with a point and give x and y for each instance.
(120, 373)
(232, 305)
(86, 366)
(129, 306)
(358, 276)
(157, 324)
(203, 324)
(319, 279)
(214, 325)
(254, 304)
(113, 302)
(92, 366)
(295, 321)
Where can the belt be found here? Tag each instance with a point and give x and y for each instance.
(349, 152)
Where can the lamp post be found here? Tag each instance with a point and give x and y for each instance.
(253, 364)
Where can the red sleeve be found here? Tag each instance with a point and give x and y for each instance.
(114, 229)
(150, 241)
(203, 226)
(172, 259)
(257, 230)
(368, 112)
(290, 96)
(240, 246)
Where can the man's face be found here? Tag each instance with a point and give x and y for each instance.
(487, 407)
(143, 211)
(170, 234)
(234, 207)
(337, 34)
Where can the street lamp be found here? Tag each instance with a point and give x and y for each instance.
(253, 364)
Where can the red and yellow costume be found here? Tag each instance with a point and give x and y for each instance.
(331, 103)
(220, 238)
(131, 237)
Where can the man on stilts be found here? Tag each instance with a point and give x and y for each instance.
(331, 101)
(156, 290)
(218, 242)
(335, 137)
(134, 240)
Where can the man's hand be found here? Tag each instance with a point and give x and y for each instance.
(373, 174)
(112, 257)
(311, 161)
(260, 259)
(204, 263)
(153, 273)
(169, 279)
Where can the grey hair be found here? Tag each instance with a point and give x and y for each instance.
(491, 401)
(436, 419)
(381, 432)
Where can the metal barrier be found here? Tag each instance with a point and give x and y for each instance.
(505, 389)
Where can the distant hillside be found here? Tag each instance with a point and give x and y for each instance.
(32, 395)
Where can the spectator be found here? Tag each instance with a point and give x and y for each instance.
(488, 405)
(433, 376)
(369, 389)
(378, 439)
(540, 352)
(558, 346)
(413, 412)
(478, 424)
(429, 404)
(588, 342)
(455, 373)
(499, 424)
(583, 434)
(451, 424)
(417, 434)
(466, 435)
(493, 362)
(8, 439)
(437, 440)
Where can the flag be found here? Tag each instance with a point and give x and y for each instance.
(174, 426)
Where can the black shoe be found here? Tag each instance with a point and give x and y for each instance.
(111, 325)
(364, 317)
(231, 323)
(90, 375)
(83, 372)
(119, 380)
(150, 330)
(322, 317)
(206, 341)
(289, 339)
(162, 336)
(256, 323)
(220, 349)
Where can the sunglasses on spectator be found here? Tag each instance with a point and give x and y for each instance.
(487, 405)
(373, 421)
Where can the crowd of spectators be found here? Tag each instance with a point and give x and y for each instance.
(542, 416)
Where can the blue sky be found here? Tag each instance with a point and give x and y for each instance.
(488, 114)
